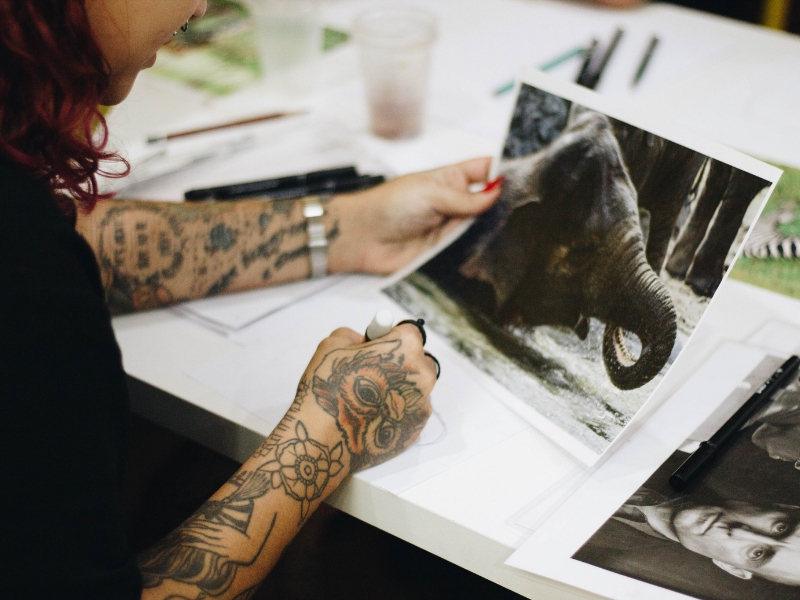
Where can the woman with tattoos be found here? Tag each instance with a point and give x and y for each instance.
(67, 261)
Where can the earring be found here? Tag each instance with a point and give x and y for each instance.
(184, 29)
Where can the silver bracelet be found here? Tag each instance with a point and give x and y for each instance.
(313, 211)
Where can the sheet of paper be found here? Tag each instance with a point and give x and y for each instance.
(232, 312)
(698, 407)
(777, 336)
(507, 293)
(523, 511)
(763, 111)
(272, 149)
(262, 377)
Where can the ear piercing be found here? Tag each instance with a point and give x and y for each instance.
(184, 29)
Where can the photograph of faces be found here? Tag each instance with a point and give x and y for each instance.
(732, 534)
(579, 288)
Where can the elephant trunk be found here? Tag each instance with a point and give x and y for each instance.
(634, 299)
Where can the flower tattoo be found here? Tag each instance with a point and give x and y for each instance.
(303, 467)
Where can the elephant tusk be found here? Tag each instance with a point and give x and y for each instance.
(624, 356)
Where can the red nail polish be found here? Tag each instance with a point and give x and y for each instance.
(494, 184)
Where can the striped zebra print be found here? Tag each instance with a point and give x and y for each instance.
(767, 242)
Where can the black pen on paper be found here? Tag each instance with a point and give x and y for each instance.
(596, 74)
(380, 325)
(331, 186)
(645, 62)
(707, 451)
(588, 55)
(593, 67)
(266, 186)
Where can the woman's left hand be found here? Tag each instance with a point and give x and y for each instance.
(386, 227)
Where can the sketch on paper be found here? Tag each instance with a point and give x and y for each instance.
(735, 532)
(579, 288)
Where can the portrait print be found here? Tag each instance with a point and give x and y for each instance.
(735, 532)
(579, 288)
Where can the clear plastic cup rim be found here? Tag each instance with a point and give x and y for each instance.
(395, 27)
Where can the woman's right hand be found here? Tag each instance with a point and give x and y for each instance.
(378, 392)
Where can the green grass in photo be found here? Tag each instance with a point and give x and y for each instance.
(780, 275)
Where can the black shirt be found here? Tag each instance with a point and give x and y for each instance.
(64, 420)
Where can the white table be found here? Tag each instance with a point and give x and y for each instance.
(444, 514)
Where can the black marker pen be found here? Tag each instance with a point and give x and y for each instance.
(700, 458)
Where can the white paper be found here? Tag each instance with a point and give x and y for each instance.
(778, 336)
(232, 312)
(262, 377)
(523, 511)
(549, 549)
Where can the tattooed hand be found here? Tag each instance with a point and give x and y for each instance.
(378, 392)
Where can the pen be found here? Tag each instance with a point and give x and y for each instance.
(265, 186)
(593, 77)
(171, 136)
(587, 62)
(700, 458)
(380, 325)
(648, 55)
(334, 186)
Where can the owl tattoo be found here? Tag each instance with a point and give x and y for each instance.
(375, 406)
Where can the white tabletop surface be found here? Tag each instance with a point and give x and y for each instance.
(738, 84)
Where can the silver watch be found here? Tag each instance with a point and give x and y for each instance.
(313, 212)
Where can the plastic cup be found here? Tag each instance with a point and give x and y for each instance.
(394, 46)
(288, 33)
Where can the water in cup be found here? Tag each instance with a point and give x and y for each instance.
(394, 46)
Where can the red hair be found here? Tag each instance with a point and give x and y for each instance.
(52, 77)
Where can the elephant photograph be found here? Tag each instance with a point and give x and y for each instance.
(578, 289)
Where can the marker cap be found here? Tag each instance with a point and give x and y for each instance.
(381, 324)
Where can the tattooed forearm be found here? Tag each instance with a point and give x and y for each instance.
(286, 424)
(231, 531)
(153, 254)
(355, 407)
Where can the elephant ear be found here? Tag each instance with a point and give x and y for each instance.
(500, 263)
(522, 176)
(500, 260)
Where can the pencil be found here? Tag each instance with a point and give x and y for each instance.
(648, 55)
(180, 134)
